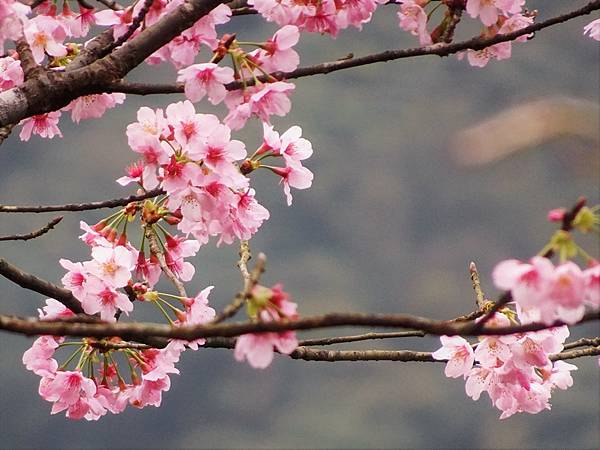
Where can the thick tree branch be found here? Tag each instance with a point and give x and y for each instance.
(113, 203)
(53, 90)
(34, 234)
(28, 64)
(139, 331)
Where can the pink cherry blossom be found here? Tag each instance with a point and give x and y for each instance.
(560, 375)
(294, 175)
(75, 277)
(258, 349)
(262, 101)
(413, 19)
(189, 128)
(11, 74)
(591, 278)
(295, 148)
(486, 10)
(54, 310)
(592, 29)
(44, 125)
(219, 152)
(149, 122)
(459, 354)
(158, 363)
(149, 393)
(45, 34)
(203, 79)
(515, 23)
(93, 106)
(119, 20)
(13, 15)
(112, 265)
(65, 388)
(39, 359)
(177, 174)
(104, 299)
(480, 58)
(277, 53)
(80, 25)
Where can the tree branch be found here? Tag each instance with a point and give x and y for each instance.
(113, 203)
(593, 351)
(33, 283)
(476, 43)
(53, 90)
(34, 234)
(250, 281)
(140, 330)
(156, 251)
(361, 337)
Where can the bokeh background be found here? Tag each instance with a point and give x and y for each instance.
(390, 225)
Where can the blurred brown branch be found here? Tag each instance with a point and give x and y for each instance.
(525, 126)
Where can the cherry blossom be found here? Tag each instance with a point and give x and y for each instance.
(93, 106)
(277, 52)
(592, 29)
(44, 125)
(11, 74)
(459, 354)
(45, 34)
(205, 79)
(414, 20)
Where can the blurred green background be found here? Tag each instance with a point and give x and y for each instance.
(389, 225)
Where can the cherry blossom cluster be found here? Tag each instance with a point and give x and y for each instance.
(109, 374)
(515, 370)
(547, 293)
(497, 17)
(323, 16)
(105, 378)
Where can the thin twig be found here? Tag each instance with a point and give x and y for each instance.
(80, 206)
(312, 354)
(249, 284)
(242, 264)
(157, 251)
(34, 234)
(592, 351)
(583, 342)
(133, 26)
(479, 295)
(361, 337)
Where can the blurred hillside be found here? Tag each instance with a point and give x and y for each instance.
(390, 225)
